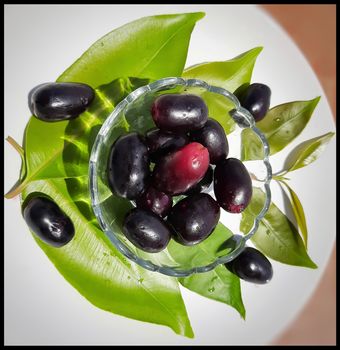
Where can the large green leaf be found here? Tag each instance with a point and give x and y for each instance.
(306, 153)
(101, 274)
(219, 284)
(56, 159)
(229, 75)
(150, 47)
(281, 126)
(276, 236)
(298, 211)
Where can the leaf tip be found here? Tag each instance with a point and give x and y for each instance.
(257, 49)
(312, 265)
(190, 333)
(316, 100)
(243, 313)
(199, 15)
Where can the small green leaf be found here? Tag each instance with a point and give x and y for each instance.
(150, 47)
(21, 152)
(229, 75)
(218, 284)
(276, 236)
(281, 126)
(307, 152)
(99, 272)
(298, 212)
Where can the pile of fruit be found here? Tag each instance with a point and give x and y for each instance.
(184, 147)
(188, 151)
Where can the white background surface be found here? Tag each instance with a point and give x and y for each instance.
(40, 306)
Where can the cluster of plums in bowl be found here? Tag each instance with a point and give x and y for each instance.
(182, 155)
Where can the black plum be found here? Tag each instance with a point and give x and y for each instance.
(252, 266)
(232, 185)
(52, 102)
(194, 218)
(128, 166)
(161, 143)
(256, 99)
(213, 137)
(146, 230)
(158, 202)
(204, 184)
(48, 222)
(179, 113)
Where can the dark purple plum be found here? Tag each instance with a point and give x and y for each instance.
(158, 202)
(252, 266)
(128, 166)
(179, 113)
(256, 99)
(194, 218)
(213, 137)
(161, 143)
(146, 230)
(48, 221)
(52, 102)
(232, 185)
(204, 184)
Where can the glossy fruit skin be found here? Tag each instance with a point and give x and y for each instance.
(48, 222)
(213, 137)
(252, 266)
(158, 202)
(194, 218)
(256, 99)
(204, 184)
(53, 102)
(161, 143)
(182, 169)
(179, 113)
(128, 166)
(232, 185)
(146, 230)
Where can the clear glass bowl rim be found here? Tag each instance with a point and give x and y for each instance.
(241, 116)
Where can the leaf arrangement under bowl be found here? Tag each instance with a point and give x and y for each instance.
(55, 158)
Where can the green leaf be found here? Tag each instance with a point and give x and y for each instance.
(102, 275)
(281, 126)
(219, 284)
(298, 212)
(150, 47)
(229, 75)
(21, 152)
(306, 153)
(276, 236)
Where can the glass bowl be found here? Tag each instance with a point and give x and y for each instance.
(133, 114)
